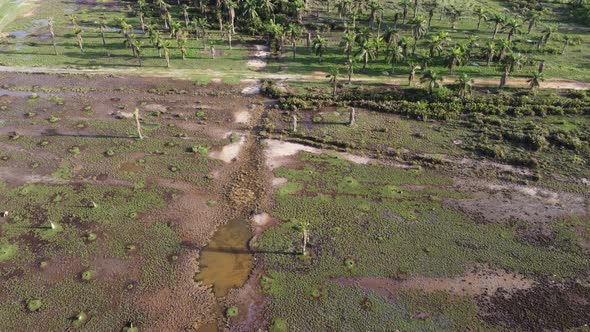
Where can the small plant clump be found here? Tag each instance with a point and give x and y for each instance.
(231, 311)
(34, 305)
(74, 150)
(53, 119)
(88, 275)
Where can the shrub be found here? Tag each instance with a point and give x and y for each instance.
(231, 311)
(34, 305)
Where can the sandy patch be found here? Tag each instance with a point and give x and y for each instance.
(261, 53)
(229, 152)
(277, 182)
(242, 117)
(278, 152)
(251, 90)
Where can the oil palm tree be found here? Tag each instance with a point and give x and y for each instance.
(533, 17)
(512, 26)
(567, 40)
(375, 8)
(404, 42)
(348, 40)
(231, 12)
(249, 9)
(333, 77)
(504, 46)
(464, 85)
(202, 25)
(293, 32)
(350, 69)
(548, 32)
(405, 4)
(391, 36)
(498, 21)
(319, 46)
(419, 28)
(435, 46)
(535, 80)
(489, 52)
(455, 58)
(365, 53)
(395, 54)
(482, 15)
(433, 80)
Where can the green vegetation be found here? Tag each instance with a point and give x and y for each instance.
(375, 221)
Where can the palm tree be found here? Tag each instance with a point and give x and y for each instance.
(319, 46)
(250, 9)
(567, 40)
(464, 85)
(504, 45)
(52, 32)
(535, 81)
(348, 40)
(229, 31)
(185, 16)
(455, 58)
(419, 28)
(412, 76)
(202, 24)
(404, 42)
(395, 54)
(378, 44)
(490, 51)
(268, 7)
(454, 14)
(333, 76)
(102, 24)
(532, 17)
(78, 33)
(435, 46)
(498, 20)
(375, 8)
(548, 33)
(231, 11)
(405, 4)
(365, 53)
(513, 28)
(481, 16)
(391, 36)
(432, 78)
(294, 32)
(415, 5)
(350, 69)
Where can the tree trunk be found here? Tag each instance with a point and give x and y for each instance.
(136, 116)
(167, 57)
(542, 67)
(294, 123)
(496, 31)
(305, 239)
(352, 118)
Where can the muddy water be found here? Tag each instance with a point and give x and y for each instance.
(226, 261)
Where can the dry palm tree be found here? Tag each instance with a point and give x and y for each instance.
(79, 39)
(137, 123)
(412, 75)
(52, 32)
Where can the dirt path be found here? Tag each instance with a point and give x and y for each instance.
(249, 76)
